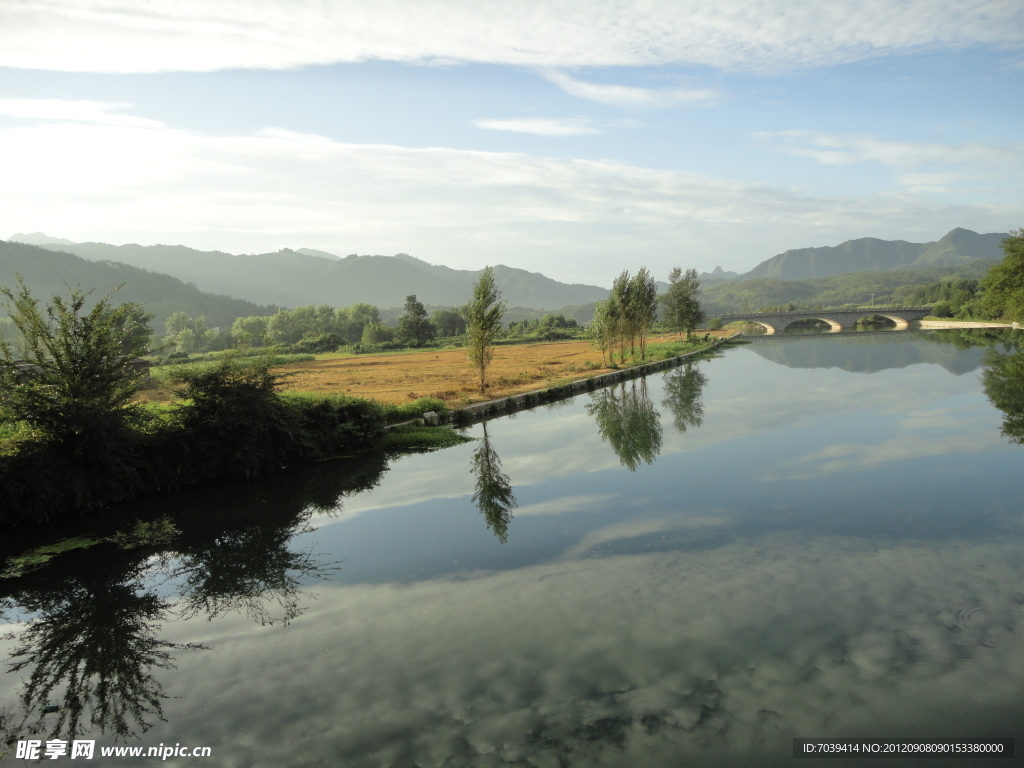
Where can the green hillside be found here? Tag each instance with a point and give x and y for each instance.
(856, 288)
(48, 272)
(959, 248)
(292, 278)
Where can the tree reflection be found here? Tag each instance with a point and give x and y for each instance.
(93, 646)
(493, 494)
(249, 570)
(683, 389)
(1003, 380)
(627, 420)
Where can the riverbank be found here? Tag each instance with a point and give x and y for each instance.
(446, 375)
(502, 405)
(925, 324)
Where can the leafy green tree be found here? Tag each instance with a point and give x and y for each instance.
(75, 383)
(188, 334)
(447, 323)
(622, 321)
(483, 320)
(643, 310)
(682, 301)
(601, 330)
(364, 313)
(414, 329)
(286, 326)
(251, 330)
(493, 495)
(377, 333)
(1003, 286)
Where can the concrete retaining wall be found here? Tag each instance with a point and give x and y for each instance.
(480, 411)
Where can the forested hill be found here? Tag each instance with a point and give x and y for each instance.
(47, 273)
(291, 278)
(958, 248)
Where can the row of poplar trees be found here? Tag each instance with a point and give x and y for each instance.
(625, 319)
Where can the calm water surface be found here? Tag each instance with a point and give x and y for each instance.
(804, 537)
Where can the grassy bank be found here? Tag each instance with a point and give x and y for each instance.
(229, 421)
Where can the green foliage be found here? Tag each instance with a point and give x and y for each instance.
(643, 307)
(1003, 286)
(447, 323)
(483, 320)
(251, 331)
(75, 380)
(395, 413)
(414, 329)
(1003, 380)
(855, 288)
(682, 301)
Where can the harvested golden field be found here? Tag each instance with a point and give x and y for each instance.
(399, 378)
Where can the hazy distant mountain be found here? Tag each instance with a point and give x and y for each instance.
(308, 276)
(39, 238)
(958, 248)
(715, 276)
(46, 272)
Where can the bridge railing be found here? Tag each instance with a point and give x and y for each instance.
(816, 312)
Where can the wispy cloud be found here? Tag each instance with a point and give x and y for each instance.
(627, 95)
(540, 126)
(923, 166)
(74, 111)
(195, 35)
(566, 217)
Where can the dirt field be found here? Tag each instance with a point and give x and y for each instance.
(447, 375)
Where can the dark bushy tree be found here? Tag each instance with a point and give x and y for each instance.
(414, 329)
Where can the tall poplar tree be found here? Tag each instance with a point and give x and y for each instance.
(483, 321)
(682, 301)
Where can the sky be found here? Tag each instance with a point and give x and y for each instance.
(571, 137)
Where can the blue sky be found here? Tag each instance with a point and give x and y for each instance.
(572, 138)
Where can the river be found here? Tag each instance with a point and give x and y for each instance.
(814, 537)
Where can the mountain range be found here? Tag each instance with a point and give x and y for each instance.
(957, 248)
(47, 273)
(306, 276)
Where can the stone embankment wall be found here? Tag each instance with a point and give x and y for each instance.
(480, 411)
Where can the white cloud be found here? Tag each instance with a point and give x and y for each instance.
(74, 111)
(570, 218)
(194, 35)
(628, 96)
(540, 126)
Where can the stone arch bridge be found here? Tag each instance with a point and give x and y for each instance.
(838, 319)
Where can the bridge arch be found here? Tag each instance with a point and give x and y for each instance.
(833, 326)
(901, 324)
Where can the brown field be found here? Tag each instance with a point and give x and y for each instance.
(399, 378)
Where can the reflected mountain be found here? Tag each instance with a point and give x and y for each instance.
(871, 353)
(627, 420)
(493, 495)
(683, 389)
(1003, 380)
(91, 646)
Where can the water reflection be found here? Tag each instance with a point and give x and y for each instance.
(683, 389)
(93, 645)
(627, 420)
(493, 495)
(1003, 380)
